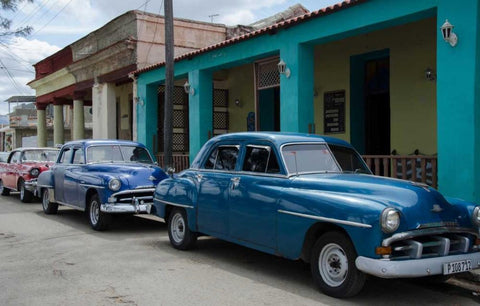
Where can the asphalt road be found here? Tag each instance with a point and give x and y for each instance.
(59, 260)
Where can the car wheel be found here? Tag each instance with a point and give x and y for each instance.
(181, 237)
(98, 219)
(25, 195)
(3, 190)
(333, 267)
(49, 208)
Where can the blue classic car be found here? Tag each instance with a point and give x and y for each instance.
(101, 177)
(310, 197)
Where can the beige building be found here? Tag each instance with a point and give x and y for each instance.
(90, 77)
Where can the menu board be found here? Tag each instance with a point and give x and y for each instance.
(334, 112)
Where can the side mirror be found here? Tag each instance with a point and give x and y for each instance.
(170, 171)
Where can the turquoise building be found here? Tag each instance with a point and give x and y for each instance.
(377, 73)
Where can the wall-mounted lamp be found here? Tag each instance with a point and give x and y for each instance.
(139, 101)
(283, 69)
(429, 74)
(447, 33)
(188, 89)
(237, 102)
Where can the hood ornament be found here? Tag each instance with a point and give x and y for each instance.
(152, 178)
(436, 208)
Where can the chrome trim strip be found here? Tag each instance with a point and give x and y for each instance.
(427, 231)
(173, 204)
(93, 186)
(44, 186)
(130, 191)
(71, 206)
(356, 224)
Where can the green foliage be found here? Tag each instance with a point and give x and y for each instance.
(5, 23)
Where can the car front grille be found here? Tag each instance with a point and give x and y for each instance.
(431, 243)
(134, 195)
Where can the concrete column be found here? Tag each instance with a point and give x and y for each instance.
(200, 109)
(296, 91)
(104, 116)
(147, 116)
(458, 101)
(78, 120)
(41, 127)
(58, 124)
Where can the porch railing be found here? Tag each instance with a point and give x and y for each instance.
(180, 161)
(417, 168)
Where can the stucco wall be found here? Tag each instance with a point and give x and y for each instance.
(412, 49)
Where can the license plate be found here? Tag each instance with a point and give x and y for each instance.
(457, 267)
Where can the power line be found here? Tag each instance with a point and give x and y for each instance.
(10, 76)
(16, 58)
(58, 13)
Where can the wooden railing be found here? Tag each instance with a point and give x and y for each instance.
(180, 161)
(417, 168)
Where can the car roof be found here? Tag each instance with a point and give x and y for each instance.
(35, 148)
(88, 142)
(279, 138)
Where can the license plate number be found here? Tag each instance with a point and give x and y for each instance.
(457, 267)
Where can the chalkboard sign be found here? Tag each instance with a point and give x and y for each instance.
(334, 112)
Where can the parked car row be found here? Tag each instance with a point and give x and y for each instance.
(292, 195)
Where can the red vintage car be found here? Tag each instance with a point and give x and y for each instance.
(22, 168)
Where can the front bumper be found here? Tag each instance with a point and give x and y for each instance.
(31, 185)
(136, 201)
(411, 268)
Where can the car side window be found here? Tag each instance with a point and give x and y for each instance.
(260, 159)
(66, 156)
(78, 156)
(223, 158)
(15, 157)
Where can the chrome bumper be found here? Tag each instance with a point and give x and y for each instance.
(129, 201)
(411, 268)
(126, 208)
(31, 185)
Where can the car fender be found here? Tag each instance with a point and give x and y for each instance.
(176, 192)
(45, 180)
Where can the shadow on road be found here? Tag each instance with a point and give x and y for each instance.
(282, 273)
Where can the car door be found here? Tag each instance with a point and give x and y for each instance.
(213, 184)
(72, 178)
(10, 179)
(254, 195)
(64, 160)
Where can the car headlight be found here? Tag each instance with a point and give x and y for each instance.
(114, 184)
(390, 220)
(34, 172)
(476, 216)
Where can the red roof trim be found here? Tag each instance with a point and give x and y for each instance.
(270, 29)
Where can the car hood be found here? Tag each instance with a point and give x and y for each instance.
(420, 206)
(135, 174)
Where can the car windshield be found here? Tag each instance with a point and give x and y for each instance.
(309, 158)
(349, 160)
(40, 155)
(116, 153)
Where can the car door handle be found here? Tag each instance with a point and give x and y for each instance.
(199, 177)
(235, 181)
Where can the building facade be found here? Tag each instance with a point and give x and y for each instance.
(387, 82)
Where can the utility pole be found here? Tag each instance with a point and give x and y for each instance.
(169, 58)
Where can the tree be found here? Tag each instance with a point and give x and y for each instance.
(5, 23)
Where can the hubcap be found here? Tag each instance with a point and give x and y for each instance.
(94, 212)
(333, 265)
(22, 191)
(177, 228)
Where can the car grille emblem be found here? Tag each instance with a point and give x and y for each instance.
(436, 208)
(152, 178)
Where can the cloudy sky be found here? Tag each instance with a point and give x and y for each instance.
(58, 23)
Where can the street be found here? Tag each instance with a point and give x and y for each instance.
(60, 260)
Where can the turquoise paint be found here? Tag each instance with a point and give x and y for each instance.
(200, 109)
(458, 102)
(147, 115)
(357, 96)
(266, 105)
(296, 91)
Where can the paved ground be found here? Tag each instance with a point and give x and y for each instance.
(59, 260)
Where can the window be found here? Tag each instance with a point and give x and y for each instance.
(66, 156)
(136, 154)
(260, 159)
(40, 155)
(78, 156)
(223, 158)
(301, 158)
(15, 157)
(104, 154)
(349, 160)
